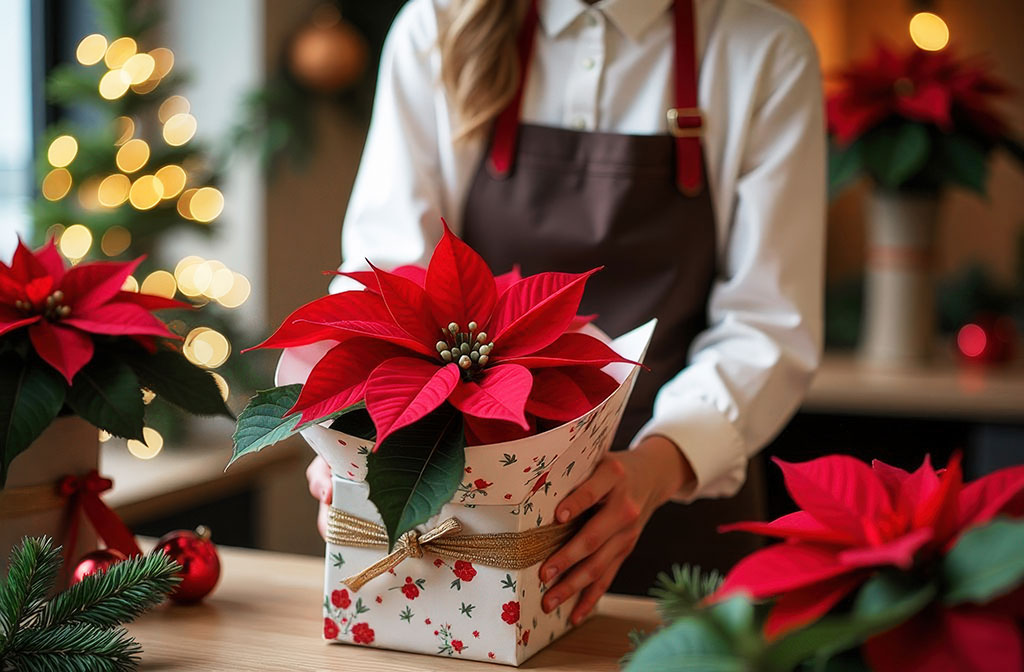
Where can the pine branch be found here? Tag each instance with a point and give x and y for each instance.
(32, 571)
(116, 596)
(680, 594)
(73, 648)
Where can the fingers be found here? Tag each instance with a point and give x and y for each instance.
(608, 473)
(318, 474)
(589, 572)
(321, 520)
(593, 592)
(619, 514)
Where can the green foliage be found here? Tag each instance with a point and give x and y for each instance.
(356, 422)
(681, 593)
(31, 396)
(106, 392)
(893, 153)
(176, 380)
(417, 470)
(78, 629)
(985, 563)
(963, 161)
(263, 423)
(844, 165)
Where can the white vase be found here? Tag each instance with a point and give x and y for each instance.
(898, 328)
(29, 503)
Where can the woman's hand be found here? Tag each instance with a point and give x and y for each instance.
(318, 474)
(629, 486)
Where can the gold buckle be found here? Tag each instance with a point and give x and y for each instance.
(675, 113)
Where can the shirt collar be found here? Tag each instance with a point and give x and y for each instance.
(632, 17)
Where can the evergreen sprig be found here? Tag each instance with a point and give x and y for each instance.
(681, 593)
(79, 628)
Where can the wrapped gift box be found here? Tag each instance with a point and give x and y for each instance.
(457, 608)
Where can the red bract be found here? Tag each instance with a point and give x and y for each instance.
(499, 349)
(926, 86)
(855, 519)
(63, 308)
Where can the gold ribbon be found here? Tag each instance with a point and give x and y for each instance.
(505, 550)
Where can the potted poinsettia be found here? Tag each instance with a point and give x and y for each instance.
(446, 399)
(888, 570)
(74, 344)
(913, 122)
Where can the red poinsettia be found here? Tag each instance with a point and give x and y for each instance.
(856, 519)
(926, 86)
(63, 308)
(501, 350)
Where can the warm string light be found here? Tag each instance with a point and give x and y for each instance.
(929, 31)
(149, 447)
(212, 280)
(75, 242)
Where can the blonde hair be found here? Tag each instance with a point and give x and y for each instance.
(480, 61)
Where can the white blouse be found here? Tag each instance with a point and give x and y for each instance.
(608, 67)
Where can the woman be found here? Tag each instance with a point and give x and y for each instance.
(703, 197)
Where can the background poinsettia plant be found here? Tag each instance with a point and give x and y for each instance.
(916, 120)
(905, 572)
(73, 343)
(427, 361)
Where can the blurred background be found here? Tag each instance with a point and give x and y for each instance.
(221, 140)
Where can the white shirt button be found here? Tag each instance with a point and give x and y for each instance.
(579, 123)
(588, 63)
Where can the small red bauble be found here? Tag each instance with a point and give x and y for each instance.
(200, 566)
(95, 562)
(989, 339)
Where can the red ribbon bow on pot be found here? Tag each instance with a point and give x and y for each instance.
(84, 493)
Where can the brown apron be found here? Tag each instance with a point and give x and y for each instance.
(552, 199)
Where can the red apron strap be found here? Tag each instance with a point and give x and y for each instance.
(685, 120)
(506, 128)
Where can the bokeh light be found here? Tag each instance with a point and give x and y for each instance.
(130, 284)
(113, 190)
(185, 201)
(75, 242)
(179, 129)
(146, 192)
(222, 385)
(239, 292)
(132, 155)
(206, 347)
(115, 241)
(164, 59)
(119, 51)
(172, 106)
(139, 67)
(62, 151)
(56, 184)
(89, 193)
(114, 84)
(159, 283)
(124, 129)
(173, 178)
(206, 204)
(104, 436)
(54, 232)
(149, 449)
(929, 31)
(91, 49)
(148, 396)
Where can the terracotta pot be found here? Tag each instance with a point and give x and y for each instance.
(29, 507)
(899, 299)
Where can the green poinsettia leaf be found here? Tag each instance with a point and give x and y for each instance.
(31, 395)
(963, 161)
(894, 154)
(985, 563)
(694, 643)
(417, 470)
(263, 423)
(844, 165)
(885, 600)
(106, 392)
(357, 422)
(175, 379)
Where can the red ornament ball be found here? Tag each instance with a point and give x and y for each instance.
(96, 562)
(200, 566)
(989, 339)
(328, 54)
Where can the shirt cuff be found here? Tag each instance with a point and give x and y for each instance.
(711, 444)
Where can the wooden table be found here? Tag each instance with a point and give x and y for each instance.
(266, 615)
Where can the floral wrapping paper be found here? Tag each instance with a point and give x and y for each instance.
(455, 608)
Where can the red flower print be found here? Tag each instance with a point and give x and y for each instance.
(411, 591)
(481, 484)
(436, 631)
(540, 482)
(340, 599)
(526, 637)
(469, 470)
(426, 621)
(458, 645)
(380, 599)
(330, 629)
(464, 570)
(438, 562)
(510, 612)
(490, 654)
(508, 495)
(362, 633)
(476, 633)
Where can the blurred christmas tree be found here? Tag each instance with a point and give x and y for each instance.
(123, 170)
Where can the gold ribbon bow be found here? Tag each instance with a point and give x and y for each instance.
(505, 550)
